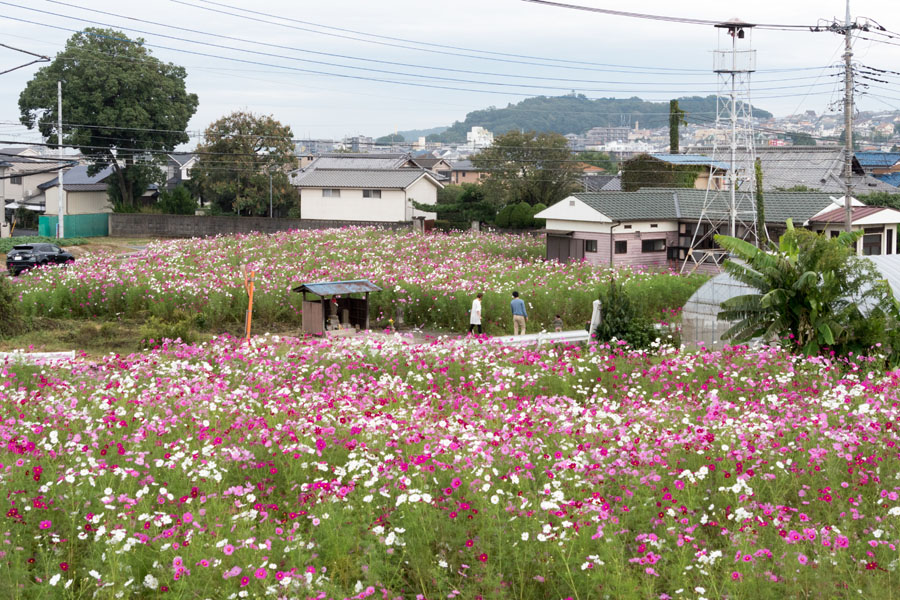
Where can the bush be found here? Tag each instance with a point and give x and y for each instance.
(535, 210)
(177, 202)
(622, 319)
(11, 322)
(503, 219)
(178, 326)
(522, 216)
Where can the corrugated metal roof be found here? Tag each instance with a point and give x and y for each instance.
(363, 178)
(838, 215)
(336, 288)
(690, 159)
(874, 160)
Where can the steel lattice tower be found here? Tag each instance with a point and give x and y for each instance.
(729, 205)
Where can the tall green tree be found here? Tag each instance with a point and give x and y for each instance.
(677, 118)
(238, 154)
(121, 107)
(810, 291)
(528, 167)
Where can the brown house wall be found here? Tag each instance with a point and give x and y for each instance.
(634, 256)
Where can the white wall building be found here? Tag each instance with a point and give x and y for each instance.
(479, 138)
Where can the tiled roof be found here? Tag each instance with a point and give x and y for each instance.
(838, 215)
(463, 165)
(672, 204)
(182, 158)
(362, 178)
(596, 183)
(874, 160)
(890, 179)
(427, 162)
(77, 179)
(690, 159)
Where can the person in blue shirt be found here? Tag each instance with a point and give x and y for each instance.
(520, 315)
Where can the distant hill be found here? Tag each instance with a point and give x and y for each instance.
(412, 135)
(577, 114)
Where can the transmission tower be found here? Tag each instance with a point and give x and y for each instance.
(729, 205)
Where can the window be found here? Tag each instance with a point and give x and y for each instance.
(654, 225)
(889, 241)
(621, 247)
(331, 193)
(371, 193)
(590, 245)
(16, 180)
(627, 227)
(871, 244)
(835, 233)
(653, 245)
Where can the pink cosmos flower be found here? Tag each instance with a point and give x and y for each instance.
(802, 559)
(260, 573)
(46, 524)
(228, 549)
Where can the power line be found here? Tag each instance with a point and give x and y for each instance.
(683, 20)
(39, 58)
(558, 88)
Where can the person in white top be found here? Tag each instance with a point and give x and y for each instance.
(475, 314)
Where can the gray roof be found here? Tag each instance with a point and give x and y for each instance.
(817, 167)
(358, 160)
(598, 183)
(334, 288)
(362, 178)
(182, 158)
(428, 162)
(651, 204)
(463, 165)
(77, 179)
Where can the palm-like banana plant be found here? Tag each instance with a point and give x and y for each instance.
(809, 291)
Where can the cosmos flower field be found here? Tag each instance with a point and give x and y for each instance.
(432, 279)
(372, 467)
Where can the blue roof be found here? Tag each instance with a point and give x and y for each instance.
(890, 179)
(877, 159)
(78, 175)
(690, 159)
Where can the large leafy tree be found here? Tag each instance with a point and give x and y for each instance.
(121, 107)
(536, 168)
(811, 292)
(239, 153)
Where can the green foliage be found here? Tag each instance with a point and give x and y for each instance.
(644, 171)
(676, 120)
(393, 138)
(25, 219)
(810, 290)
(6, 244)
(458, 205)
(503, 219)
(11, 322)
(135, 181)
(177, 202)
(522, 216)
(621, 318)
(239, 152)
(528, 167)
(883, 199)
(535, 210)
(801, 139)
(128, 89)
(174, 327)
(598, 159)
(576, 114)
(796, 188)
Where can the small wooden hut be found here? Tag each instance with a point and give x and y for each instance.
(331, 305)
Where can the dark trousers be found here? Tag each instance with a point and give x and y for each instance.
(472, 327)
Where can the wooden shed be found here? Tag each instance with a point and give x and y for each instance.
(331, 305)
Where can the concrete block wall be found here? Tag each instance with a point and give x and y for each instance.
(186, 226)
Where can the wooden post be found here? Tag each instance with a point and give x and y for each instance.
(367, 310)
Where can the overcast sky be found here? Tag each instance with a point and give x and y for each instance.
(520, 44)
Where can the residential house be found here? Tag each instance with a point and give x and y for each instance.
(84, 194)
(357, 161)
(878, 223)
(602, 183)
(879, 163)
(655, 227)
(178, 168)
(463, 171)
(25, 170)
(353, 195)
(440, 167)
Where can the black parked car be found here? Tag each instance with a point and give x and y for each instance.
(27, 256)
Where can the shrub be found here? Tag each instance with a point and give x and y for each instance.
(11, 321)
(178, 326)
(622, 319)
(522, 216)
(177, 202)
(504, 217)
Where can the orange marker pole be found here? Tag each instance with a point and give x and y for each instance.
(248, 285)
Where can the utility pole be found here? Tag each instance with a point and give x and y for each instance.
(848, 120)
(60, 223)
(270, 192)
